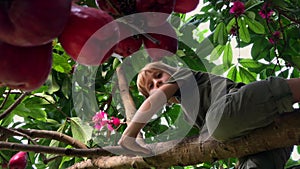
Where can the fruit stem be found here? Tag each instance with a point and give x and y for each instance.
(147, 35)
(115, 9)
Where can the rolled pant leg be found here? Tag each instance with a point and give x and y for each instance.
(273, 159)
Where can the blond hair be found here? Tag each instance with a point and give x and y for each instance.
(149, 69)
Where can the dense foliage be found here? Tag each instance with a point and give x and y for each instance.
(74, 93)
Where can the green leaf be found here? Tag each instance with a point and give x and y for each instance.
(255, 26)
(230, 24)
(219, 69)
(172, 114)
(80, 131)
(284, 73)
(246, 76)
(296, 61)
(260, 49)
(220, 35)
(61, 64)
(233, 74)
(249, 63)
(227, 56)
(251, 15)
(53, 86)
(66, 87)
(243, 31)
(216, 53)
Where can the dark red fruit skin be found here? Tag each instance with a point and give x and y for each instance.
(167, 42)
(32, 22)
(183, 6)
(132, 43)
(18, 161)
(24, 68)
(81, 38)
(157, 11)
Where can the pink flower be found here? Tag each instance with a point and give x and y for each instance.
(101, 119)
(115, 121)
(272, 41)
(275, 37)
(265, 11)
(238, 8)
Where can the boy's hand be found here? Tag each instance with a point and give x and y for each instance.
(129, 143)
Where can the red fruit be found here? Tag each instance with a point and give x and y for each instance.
(18, 161)
(25, 68)
(130, 43)
(166, 44)
(32, 22)
(184, 6)
(90, 35)
(157, 11)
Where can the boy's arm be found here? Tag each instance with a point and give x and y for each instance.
(150, 106)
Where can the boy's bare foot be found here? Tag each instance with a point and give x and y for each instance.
(129, 143)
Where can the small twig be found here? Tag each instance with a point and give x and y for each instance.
(54, 135)
(13, 106)
(62, 151)
(52, 104)
(18, 133)
(5, 99)
(287, 16)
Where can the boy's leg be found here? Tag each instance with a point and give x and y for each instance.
(253, 106)
(273, 159)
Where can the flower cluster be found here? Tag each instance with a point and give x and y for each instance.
(238, 8)
(101, 119)
(266, 12)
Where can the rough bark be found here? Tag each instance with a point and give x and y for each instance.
(285, 131)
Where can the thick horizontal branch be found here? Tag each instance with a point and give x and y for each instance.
(285, 130)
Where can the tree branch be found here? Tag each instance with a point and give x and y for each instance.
(13, 106)
(285, 130)
(130, 107)
(128, 102)
(5, 99)
(54, 135)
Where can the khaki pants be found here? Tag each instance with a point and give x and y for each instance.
(252, 106)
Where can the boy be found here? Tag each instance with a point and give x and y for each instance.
(228, 109)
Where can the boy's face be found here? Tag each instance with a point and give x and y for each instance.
(155, 80)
